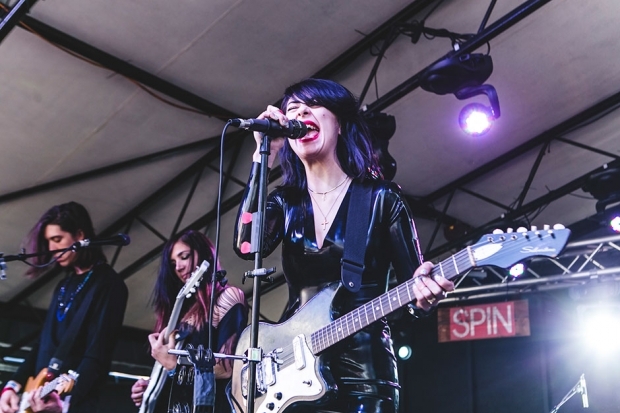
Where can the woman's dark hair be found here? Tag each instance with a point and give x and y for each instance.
(168, 284)
(354, 147)
(72, 218)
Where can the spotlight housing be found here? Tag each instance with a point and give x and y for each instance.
(605, 187)
(464, 75)
(382, 127)
(456, 72)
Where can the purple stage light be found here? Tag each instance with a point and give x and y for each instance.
(476, 119)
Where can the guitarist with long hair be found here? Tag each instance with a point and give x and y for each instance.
(308, 215)
(180, 257)
(91, 293)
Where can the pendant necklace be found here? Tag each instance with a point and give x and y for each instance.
(325, 222)
(346, 178)
(63, 307)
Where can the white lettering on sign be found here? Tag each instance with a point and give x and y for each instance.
(484, 321)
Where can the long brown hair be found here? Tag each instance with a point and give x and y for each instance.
(73, 218)
(168, 284)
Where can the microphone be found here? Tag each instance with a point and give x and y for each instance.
(584, 391)
(294, 130)
(2, 268)
(118, 240)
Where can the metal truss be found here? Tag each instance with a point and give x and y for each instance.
(584, 266)
(421, 207)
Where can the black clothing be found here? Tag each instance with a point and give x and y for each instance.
(363, 365)
(181, 395)
(91, 353)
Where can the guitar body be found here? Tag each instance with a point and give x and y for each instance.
(62, 384)
(301, 377)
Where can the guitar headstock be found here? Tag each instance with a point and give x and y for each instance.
(190, 286)
(504, 249)
(66, 382)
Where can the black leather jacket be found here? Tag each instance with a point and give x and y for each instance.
(363, 363)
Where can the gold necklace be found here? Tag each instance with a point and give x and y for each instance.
(327, 192)
(325, 222)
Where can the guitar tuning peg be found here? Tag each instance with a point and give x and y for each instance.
(192, 290)
(188, 295)
(546, 227)
(498, 231)
(534, 228)
(509, 230)
(558, 226)
(521, 229)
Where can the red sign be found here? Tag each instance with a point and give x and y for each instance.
(493, 320)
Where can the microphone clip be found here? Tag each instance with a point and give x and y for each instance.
(220, 276)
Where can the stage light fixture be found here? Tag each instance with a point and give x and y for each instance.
(600, 327)
(475, 118)
(517, 270)
(404, 352)
(615, 223)
(382, 127)
(605, 187)
(464, 76)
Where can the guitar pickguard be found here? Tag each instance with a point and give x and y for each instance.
(290, 372)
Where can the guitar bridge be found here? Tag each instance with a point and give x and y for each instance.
(265, 376)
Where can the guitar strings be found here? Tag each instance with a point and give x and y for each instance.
(324, 337)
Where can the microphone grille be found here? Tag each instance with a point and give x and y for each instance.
(299, 129)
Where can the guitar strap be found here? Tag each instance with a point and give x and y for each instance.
(358, 220)
(76, 323)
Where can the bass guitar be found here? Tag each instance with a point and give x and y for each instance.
(290, 371)
(159, 374)
(62, 384)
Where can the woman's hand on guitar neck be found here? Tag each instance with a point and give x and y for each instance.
(9, 402)
(159, 349)
(429, 289)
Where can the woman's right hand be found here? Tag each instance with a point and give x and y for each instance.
(137, 391)
(9, 402)
(276, 114)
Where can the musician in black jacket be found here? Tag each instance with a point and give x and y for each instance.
(180, 257)
(308, 215)
(90, 286)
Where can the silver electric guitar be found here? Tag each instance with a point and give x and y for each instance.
(290, 371)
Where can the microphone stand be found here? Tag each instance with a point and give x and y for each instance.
(23, 257)
(255, 354)
(577, 388)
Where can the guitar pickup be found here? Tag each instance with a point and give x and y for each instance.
(269, 371)
(298, 351)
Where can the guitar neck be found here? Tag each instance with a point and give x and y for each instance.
(385, 304)
(50, 386)
(174, 316)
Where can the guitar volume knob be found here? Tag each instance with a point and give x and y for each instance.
(278, 395)
(270, 406)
